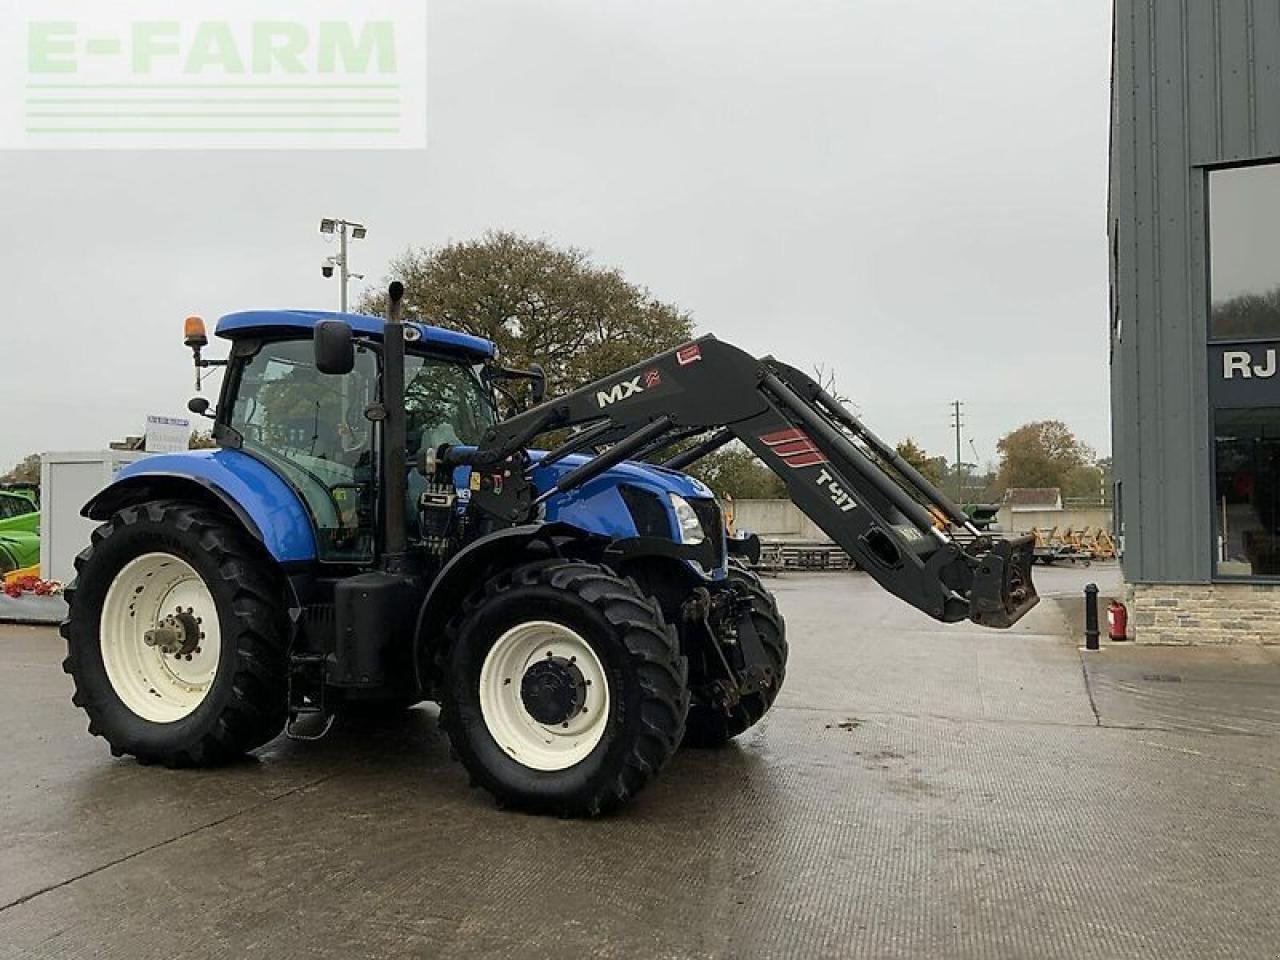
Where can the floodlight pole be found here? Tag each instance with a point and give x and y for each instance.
(340, 227)
(342, 265)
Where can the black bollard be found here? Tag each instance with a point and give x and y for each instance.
(1091, 616)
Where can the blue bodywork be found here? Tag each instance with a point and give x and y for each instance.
(281, 519)
(274, 322)
(277, 515)
(282, 522)
(598, 507)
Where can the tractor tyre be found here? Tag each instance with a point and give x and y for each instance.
(563, 688)
(708, 724)
(176, 637)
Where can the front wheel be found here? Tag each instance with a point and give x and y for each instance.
(175, 637)
(563, 690)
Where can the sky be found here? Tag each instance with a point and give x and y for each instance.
(912, 193)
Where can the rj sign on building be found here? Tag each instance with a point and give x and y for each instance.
(1194, 224)
(273, 74)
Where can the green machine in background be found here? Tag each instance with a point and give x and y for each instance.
(19, 526)
(983, 515)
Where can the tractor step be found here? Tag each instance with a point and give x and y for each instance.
(309, 719)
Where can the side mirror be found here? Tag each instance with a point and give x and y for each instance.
(199, 406)
(334, 350)
(539, 385)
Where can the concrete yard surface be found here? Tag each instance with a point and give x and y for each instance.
(920, 790)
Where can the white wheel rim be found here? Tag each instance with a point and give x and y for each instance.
(537, 745)
(157, 685)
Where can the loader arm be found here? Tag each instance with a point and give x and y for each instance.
(876, 506)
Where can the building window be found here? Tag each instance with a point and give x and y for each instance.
(1247, 491)
(1244, 235)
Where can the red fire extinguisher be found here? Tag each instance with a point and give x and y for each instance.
(1117, 621)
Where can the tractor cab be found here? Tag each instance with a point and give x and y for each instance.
(318, 429)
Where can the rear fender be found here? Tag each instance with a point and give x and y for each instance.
(267, 507)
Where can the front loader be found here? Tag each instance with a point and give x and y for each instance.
(854, 486)
(370, 533)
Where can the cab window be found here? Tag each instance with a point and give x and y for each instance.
(311, 427)
(445, 402)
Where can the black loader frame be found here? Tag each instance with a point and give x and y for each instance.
(876, 506)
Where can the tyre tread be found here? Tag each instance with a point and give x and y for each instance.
(652, 647)
(256, 707)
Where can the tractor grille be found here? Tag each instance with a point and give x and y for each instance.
(648, 513)
(709, 516)
(652, 518)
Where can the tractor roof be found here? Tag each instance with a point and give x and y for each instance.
(267, 321)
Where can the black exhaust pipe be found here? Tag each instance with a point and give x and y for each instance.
(394, 441)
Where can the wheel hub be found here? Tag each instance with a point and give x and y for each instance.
(553, 690)
(176, 635)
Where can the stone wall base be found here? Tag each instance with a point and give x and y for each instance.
(1204, 613)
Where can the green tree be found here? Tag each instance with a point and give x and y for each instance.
(931, 468)
(734, 471)
(540, 304)
(26, 470)
(1041, 454)
(1083, 482)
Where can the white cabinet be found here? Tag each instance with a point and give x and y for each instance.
(67, 481)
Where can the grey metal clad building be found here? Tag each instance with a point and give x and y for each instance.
(1194, 229)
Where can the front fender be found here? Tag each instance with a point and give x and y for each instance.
(259, 498)
(464, 571)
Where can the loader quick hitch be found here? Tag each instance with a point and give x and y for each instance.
(1002, 590)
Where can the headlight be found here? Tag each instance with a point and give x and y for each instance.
(686, 520)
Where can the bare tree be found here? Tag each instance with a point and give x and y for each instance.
(828, 381)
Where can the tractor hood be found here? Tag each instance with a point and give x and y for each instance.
(645, 475)
(599, 505)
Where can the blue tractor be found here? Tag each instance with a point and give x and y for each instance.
(371, 531)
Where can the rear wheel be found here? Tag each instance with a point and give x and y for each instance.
(711, 724)
(175, 637)
(563, 690)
